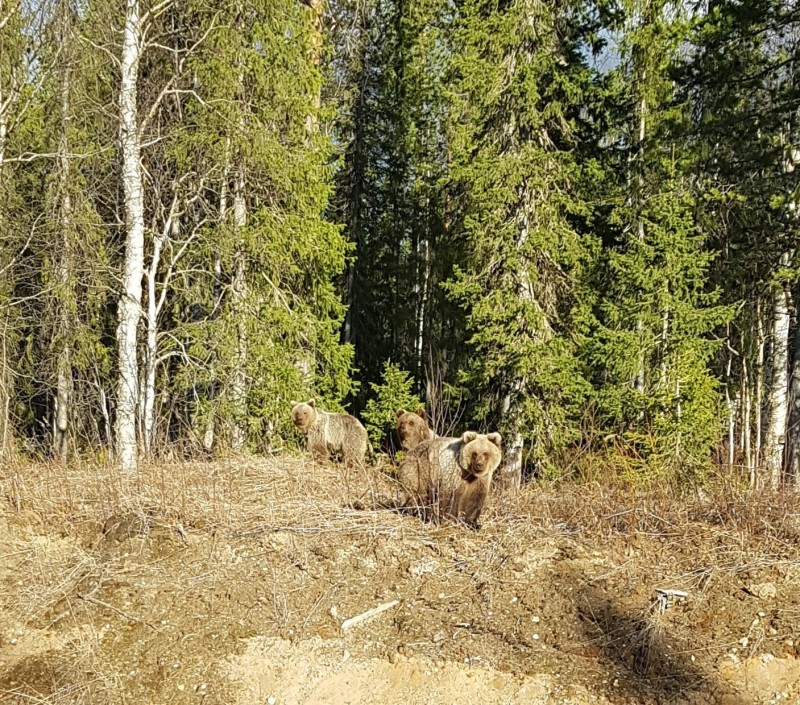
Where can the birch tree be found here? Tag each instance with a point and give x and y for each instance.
(130, 301)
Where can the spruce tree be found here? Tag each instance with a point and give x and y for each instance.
(653, 344)
(267, 260)
(519, 83)
(739, 81)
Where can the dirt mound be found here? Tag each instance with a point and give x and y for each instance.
(212, 582)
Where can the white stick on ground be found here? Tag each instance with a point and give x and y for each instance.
(369, 614)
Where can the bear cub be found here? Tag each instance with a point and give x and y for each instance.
(328, 433)
(412, 428)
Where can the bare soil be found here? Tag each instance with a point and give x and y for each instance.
(228, 582)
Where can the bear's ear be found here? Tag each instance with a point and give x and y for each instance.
(400, 412)
(495, 438)
(422, 414)
(294, 403)
(469, 436)
(311, 402)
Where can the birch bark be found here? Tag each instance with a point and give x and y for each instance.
(130, 302)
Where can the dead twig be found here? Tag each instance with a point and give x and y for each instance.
(129, 617)
(369, 614)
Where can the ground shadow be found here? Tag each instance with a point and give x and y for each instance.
(652, 664)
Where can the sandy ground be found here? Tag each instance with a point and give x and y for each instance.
(230, 582)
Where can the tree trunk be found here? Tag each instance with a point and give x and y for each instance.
(210, 429)
(509, 475)
(730, 403)
(639, 379)
(239, 293)
(130, 303)
(6, 393)
(775, 436)
(793, 464)
(148, 388)
(759, 384)
(64, 268)
(746, 427)
(357, 176)
(6, 378)
(317, 10)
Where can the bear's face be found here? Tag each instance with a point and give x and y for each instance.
(412, 428)
(304, 414)
(480, 454)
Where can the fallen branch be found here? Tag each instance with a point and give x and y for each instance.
(369, 614)
(130, 617)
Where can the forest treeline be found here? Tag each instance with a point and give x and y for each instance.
(573, 223)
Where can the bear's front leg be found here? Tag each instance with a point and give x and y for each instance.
(319, 452)
(471, 500)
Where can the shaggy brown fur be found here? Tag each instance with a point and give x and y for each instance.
(451, 476)
(328, 433)
(412, 428)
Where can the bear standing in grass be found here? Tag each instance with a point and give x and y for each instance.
(451, 476)
(331, 433)
(412, 428)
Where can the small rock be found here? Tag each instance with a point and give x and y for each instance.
(744, 641)
(536, 620)
(181, 687)
(419, 568)
(271, 700)
(345, 656)
(763, 591)
(536, 637)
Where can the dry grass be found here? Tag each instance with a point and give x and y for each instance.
(240, 540)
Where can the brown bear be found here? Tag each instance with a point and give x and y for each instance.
(451, 476)
(328, 433)
(412, 428)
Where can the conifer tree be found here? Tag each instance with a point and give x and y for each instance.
(739, 80)
(519, 83)
(267, 260)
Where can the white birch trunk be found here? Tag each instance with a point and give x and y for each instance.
(422, 296)
(759, 383)
(639, 380)
(148, 389)
(747, 430)
(239, 293)
(509, 475)
(63, 398)
(775, 435)
(731, 405)
(130, 303)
